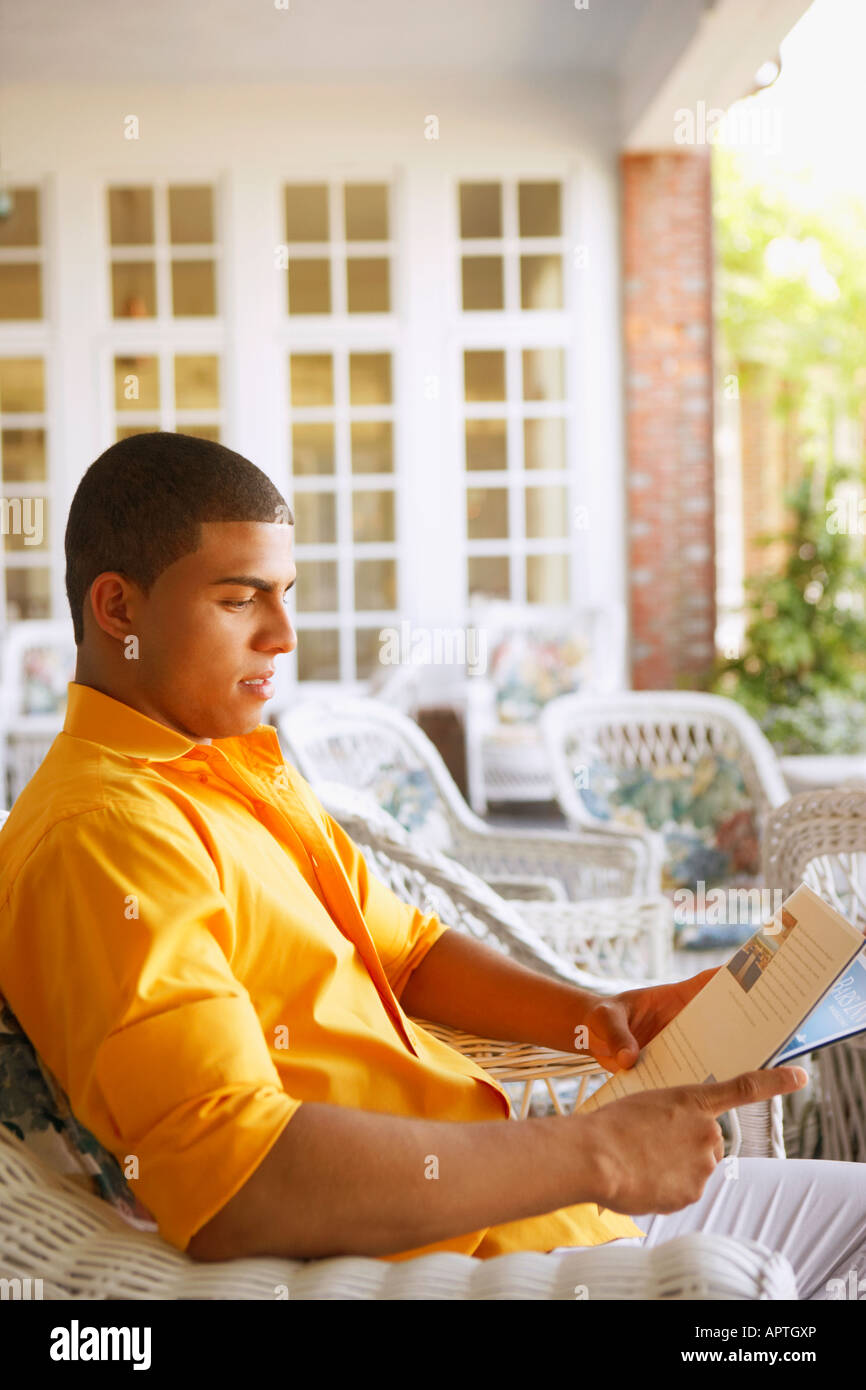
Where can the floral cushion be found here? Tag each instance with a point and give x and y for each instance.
(703, 812)
(35, 1108)
(528, 670)
(409, 795)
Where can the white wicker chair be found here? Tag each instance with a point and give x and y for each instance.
(81, 1248)
(367, 745)
(651, 728)
(820, 838)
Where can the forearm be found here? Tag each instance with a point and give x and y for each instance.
(341, 1181)
(467, 985)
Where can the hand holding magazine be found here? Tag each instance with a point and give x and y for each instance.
(798, 984)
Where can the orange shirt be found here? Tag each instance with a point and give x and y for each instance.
(195, 948)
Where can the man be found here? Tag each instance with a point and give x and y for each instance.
(199, 954)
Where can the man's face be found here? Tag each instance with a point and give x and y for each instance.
(201, 636)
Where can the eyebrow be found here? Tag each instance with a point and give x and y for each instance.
(249, 581)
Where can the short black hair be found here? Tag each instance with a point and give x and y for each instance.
(140, 507)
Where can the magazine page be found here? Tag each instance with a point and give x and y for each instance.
(840, 1014)
(752, 1005)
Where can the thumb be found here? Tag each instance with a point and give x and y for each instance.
(611, 1026)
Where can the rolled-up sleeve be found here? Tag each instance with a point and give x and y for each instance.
(401, 933)
(127, 993)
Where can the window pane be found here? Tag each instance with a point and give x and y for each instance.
(202, 431)
(133, 289)
(136, 383)
(538, 209)
(368, 647)
(488, 574)
(318, 654)
(486, 444)
(309, 286)
(375, 584)
(20, 291)
(128, 431)
(367, 285)
(22, 384)
(25, 523)
(190, 214)
(312, 448)
(193, 288)
(196, 381)
(21, 227)
(28, 593)
(370, 378)
(541, 282)
(482, 282)
(366, 207)
(317, 586)
(130, 216)
(23, 455)
(486, 513)
(544, 374)
(480, 209)
(546, 512)
(544, 443)
(315, 518)
(312, 378)
(307, 212)
(372, 446)
(547, 579)
(484, 376)
(373, 516)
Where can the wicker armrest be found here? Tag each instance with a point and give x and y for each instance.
(515, 1062)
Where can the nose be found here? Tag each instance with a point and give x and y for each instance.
(281, 633)
(290, 637)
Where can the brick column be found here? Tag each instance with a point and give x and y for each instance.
(667, 276)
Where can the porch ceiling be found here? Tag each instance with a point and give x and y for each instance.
(657, 55)
(317, 40)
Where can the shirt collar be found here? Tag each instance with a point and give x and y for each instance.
(100, 718)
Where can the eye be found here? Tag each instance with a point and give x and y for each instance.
(244, 603)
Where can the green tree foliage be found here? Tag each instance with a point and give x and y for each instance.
(792, 297)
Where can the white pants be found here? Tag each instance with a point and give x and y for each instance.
(812, 1211)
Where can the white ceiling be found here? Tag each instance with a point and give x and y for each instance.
(318, 40)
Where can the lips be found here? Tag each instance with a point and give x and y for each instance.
(259, 685)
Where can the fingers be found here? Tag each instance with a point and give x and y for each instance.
(752, 1086)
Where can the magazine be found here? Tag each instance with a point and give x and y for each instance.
(798, 984)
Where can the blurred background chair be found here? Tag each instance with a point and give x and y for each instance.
(37, 661)
(691, 770)
(566, 881)
(377, 749)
